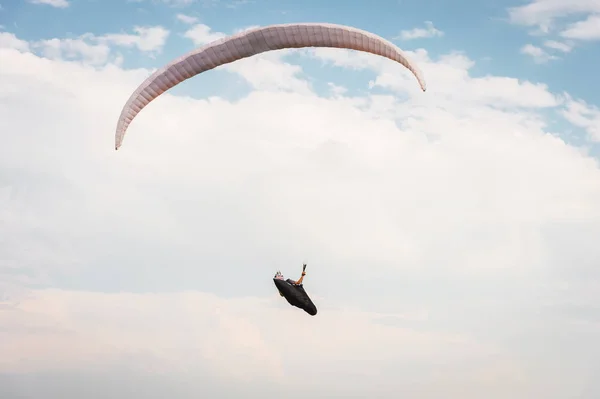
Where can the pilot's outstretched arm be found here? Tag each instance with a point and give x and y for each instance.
(301, 278)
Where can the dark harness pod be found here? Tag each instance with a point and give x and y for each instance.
(295, 295)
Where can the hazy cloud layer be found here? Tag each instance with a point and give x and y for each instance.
(450, 235)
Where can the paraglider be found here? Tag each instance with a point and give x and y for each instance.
(249, 43)
(294, 293)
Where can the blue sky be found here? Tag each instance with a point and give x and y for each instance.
(481, 29)
(451, 235)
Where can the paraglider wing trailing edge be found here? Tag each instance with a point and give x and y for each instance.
(251, 42)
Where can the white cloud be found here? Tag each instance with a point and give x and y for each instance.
(95, 54)
(147, 39)
(202, 34)
(246, 28)
(448, 80)
(538, 54)
(53, 3)
(184, 3)
(421, 33)
(268, 72)
(256, 346)
(186, 19)
(337, 89)
(9, 40)
(584, 30)
(543, 13)
(456, 210)
(548, 16)
(97, 50)
(238, 3)
(85, 329)
(180, 2)
(560, 46)
(584, 115)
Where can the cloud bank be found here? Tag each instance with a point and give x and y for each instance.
(450, 235)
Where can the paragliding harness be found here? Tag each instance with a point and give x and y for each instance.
(294, 293)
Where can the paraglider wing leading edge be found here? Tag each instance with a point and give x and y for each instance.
(252, 42)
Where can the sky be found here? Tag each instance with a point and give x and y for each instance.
(450, 235)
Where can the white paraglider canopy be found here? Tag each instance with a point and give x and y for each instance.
(252, 42)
